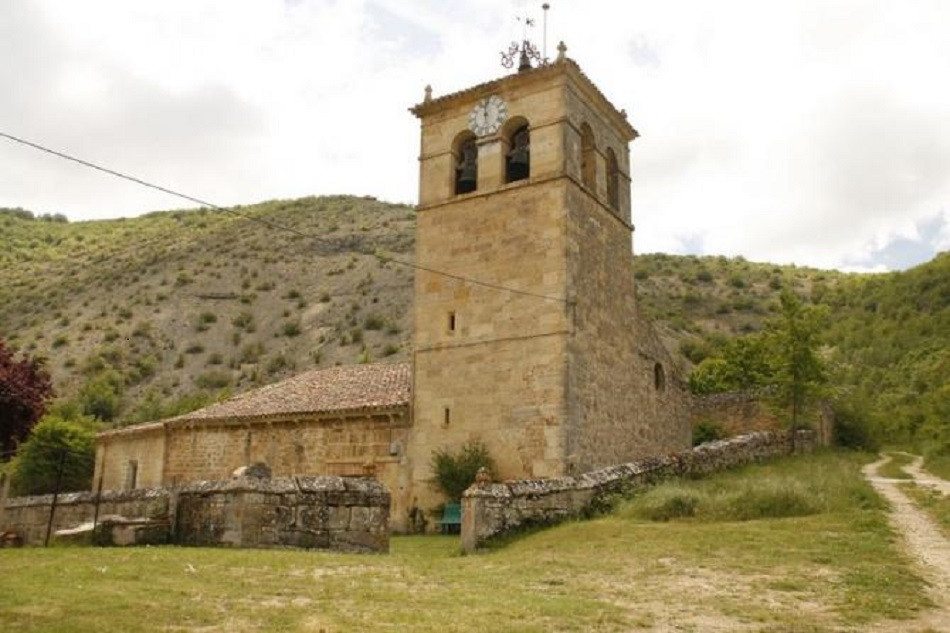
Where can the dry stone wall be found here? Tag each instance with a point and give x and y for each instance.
(336, 513)
(734, 412)
(344, 514)
(28, 517)
(491, 510)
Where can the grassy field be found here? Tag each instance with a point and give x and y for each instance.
(938, 465)
(833, 565)
(894, 469)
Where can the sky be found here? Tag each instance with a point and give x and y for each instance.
(814, 132)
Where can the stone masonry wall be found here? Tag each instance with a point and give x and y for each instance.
(175, 454)
(28, 516)
(344, 514)
(735, 413)
(625, 400)
(491, 510)
(337, 513)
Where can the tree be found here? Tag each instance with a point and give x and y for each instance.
(101, 396)
(744, 363)
(792, 339)
(782, 361)
(58, 453)
(25, 389)
(455, 472)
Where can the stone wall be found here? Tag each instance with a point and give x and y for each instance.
(735, 413)
(739, 412)
(624, 397)
(491, 510)
(178, 452)
(344, 514)
(28, 516)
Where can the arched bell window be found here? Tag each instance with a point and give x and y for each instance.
(588, 158)
(518, 157)
(613, 180)
(466, 164)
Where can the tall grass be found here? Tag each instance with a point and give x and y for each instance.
(779, 489)
(894, 469)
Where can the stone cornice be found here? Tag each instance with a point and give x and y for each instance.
(568, 67)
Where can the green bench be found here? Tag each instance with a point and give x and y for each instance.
(451, 522)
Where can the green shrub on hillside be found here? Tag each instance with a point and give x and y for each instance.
(101, 395)
(213, 379)
(290, 329)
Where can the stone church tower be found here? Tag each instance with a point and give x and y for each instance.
(527, 337)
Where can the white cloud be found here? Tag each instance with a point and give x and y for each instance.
(802, 131)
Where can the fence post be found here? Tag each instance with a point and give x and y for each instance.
(52, 505)
(95, 516)
(4, 492)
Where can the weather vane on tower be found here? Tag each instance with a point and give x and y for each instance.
(526, 52)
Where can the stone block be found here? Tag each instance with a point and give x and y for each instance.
(338, 519)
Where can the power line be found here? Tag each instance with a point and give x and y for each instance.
(271, 224)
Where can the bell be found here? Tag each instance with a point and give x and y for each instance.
(466, 177)
(518, 164)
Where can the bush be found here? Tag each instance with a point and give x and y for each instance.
(707, 431)
(291, 329)
(696, 350)
(204, 321)
(214, 379)
(277, 364)
(771, 500)
(52, 442)
(373, 322)
(667, 503)
(252, 352)
(852, 428)
(455, 472)
(101, 396)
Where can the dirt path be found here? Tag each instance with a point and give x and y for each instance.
(923, 540)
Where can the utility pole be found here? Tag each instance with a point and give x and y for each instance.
(52, 506)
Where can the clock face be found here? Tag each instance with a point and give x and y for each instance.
(487, 115)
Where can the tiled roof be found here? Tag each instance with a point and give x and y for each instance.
(350, 388)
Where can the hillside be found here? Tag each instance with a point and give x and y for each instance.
(152, 316)
(887, 341)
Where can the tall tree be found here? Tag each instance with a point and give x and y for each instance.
(793, 338)
(25, 390)
(58, 456)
